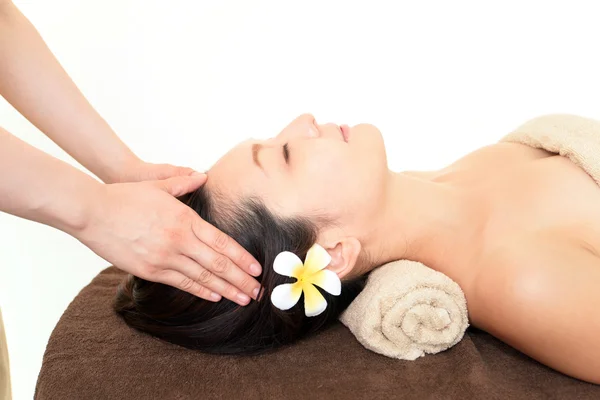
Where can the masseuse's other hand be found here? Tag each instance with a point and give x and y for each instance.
(142, 229)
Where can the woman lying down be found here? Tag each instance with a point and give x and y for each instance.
(517, 228)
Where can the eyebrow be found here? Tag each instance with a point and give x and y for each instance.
(256, 147)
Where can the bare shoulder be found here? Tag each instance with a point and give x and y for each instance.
(503, 153)
(541, 294)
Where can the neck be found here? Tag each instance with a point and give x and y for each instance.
(425, 221)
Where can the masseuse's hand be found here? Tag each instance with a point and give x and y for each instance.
(142, 229)
(139, 227)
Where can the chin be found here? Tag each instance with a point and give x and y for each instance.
(366, 133)
(369, 138)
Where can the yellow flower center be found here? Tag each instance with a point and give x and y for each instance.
(300, 275)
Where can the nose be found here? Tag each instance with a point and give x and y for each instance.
(310, 126)
(303, 126)
(306, 118)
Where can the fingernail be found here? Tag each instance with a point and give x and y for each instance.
(243, 298)
(215, 296)
(255, 269)
(196, 173)
(255, 293)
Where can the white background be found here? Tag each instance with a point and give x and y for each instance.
(183, 81)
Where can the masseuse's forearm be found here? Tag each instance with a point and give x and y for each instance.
(32, 80)
(38, 187)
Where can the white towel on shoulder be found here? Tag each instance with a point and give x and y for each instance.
(572, 136)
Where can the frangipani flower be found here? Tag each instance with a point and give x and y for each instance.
(312, 272)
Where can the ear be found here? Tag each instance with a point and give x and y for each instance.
(344, 255)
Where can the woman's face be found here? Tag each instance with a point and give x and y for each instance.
(309, 170)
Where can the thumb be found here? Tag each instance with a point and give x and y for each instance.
(180, 185)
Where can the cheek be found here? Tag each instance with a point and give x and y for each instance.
(335, 185)
(348, 183)
(327, 168)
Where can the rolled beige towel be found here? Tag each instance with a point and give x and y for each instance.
(406, 310)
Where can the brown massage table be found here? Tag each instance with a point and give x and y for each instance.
(92, 354)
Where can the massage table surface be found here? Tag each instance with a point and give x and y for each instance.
(93, 354)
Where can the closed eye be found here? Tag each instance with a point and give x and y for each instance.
(286, 153)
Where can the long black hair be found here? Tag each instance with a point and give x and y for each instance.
(225, 327)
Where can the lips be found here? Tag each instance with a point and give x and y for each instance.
(345, 129)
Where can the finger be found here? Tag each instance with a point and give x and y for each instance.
(180, 185)
(161, 171)
(223, 244)
(166, 171)
(178, 280)
(205, 278)
(184, 171)
(223, 267)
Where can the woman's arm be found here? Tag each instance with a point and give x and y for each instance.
(540, 295)
(159, 239)
(41, 188)
(32, 80)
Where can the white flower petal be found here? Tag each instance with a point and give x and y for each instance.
(288, 264)
(286, 296)
(314, 302)
(327, 280)
(317, 259)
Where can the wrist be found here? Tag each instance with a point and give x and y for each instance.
(76, 214)
(119, 170)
